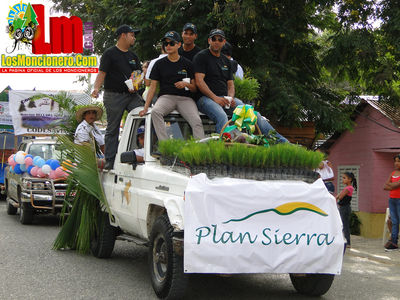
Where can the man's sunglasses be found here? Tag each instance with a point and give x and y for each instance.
(214, 38)
(171, 43)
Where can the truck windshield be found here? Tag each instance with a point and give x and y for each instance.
(46, 151)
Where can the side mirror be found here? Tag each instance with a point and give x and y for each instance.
(129, 157)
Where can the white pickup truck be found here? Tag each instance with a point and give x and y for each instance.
(35, 195)
(147, 206)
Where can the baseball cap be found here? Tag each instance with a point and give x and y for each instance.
(216, 32)
(190, 26)
(140, 130)
(125, 29)
(173, 36)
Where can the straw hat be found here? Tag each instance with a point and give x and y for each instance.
(80, 112)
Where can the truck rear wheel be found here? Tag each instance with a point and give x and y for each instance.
(312, 284)
(166, 267)
(25, 213)
(103, 241)
(11, 210)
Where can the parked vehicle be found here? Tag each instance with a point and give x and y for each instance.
(35, 195)
(146, 203)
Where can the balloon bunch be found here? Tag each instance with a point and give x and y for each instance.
(36, 166)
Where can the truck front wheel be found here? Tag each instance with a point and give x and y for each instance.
(25, 213)
(312, 284)
(166, 267)
(103, 241)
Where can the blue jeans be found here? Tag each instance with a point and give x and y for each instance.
(329, 186)
(219, 115)
(394, 207)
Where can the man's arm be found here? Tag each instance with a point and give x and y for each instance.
(98, 83)
(150, 95)
(203, 87)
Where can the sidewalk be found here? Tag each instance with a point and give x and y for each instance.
(372, 249)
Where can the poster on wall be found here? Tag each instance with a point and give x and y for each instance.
(37, 116)
(5, 118)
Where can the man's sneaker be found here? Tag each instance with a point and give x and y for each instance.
(109, 165)
(391, 247)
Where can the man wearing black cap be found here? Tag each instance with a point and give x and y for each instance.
(214, 79)
(189, 35)
(116, 66)
(237, 69)
(176, 78)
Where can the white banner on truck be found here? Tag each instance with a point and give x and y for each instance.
(247, 226)
(39, 116)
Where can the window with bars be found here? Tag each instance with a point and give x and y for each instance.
(355, 170)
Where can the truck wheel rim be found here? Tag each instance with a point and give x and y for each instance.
(160, 258)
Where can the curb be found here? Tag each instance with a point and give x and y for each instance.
(384, 258)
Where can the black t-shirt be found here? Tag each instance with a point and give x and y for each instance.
(217, 70)
(189, 54)
(168, 73)
(346, 200)
(118, 66)
(234, 65)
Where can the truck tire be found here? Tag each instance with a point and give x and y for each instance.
(11, 210)
(25, 213)
(166, 267)
(103, 241)
(312, 284)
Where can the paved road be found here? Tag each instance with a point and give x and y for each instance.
(29, 269)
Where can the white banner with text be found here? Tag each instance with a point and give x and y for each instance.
(247, 226)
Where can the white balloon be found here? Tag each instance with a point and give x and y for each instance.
(20, 157)
(46, 169)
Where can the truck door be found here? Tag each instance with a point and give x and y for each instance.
(127, 180)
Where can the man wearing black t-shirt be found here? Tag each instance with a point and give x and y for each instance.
(116, 66)
(176, 78)
(214, 79)
(189, 35)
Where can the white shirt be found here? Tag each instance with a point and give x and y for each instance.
(326, 172)
(139, 152)
(84, 131)
(151, 65)
(239, 72)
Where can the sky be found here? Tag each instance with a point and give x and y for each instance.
(30, 81)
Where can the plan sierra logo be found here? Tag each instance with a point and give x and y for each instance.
(284, 209)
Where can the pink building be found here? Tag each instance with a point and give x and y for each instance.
(368, 152)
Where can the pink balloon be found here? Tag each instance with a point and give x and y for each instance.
(59, 172)
(53, 174)
(40, 173)
(28, 161)
(13, 163)
(10, 159)
(34, 171)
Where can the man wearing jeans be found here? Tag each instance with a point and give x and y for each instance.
(214, 79)
(116, 66)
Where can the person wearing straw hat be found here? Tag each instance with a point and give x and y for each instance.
(86, 129)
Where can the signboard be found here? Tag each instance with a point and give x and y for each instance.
(39, 116)
(5, 117)
(247, 226)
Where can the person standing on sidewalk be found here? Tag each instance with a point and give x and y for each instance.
(344, 201)
(116, 66)
(393, 185)
(326, 173)
(176, 78)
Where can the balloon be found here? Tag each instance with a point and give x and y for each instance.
(29, 155)
(52, 174)
(22, 167)
(28, 161)
(54, 164)
(29, 169)
(40, 173)
(11, 158)
(66, 164)
(11, 169)
(46, 169)
(19, 157)
(17, 169)
(48, 162)
(13, 163)
(34, 171)
(40, 162)
(36, 159)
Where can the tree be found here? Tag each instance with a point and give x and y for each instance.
(278, 42)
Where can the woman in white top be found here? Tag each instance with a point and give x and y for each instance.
(87, 115)
(326, 173)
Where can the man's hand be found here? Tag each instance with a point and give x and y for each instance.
(221, 101)
(95, 93)
(181, 84)
(143, 112)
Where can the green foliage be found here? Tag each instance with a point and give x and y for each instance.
(241, 155)
(88, 201)
(246, 89)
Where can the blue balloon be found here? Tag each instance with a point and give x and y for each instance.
(54, 164)
(17, 169)
(48, 162)
(29, 170)
(36, 159)
(29, 155)
(22, 167)
(41, 162)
